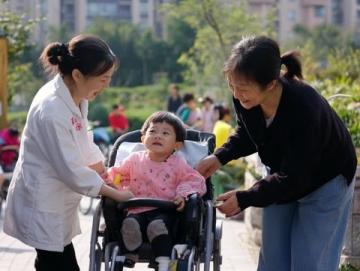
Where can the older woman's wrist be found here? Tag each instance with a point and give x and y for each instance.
(243, 199)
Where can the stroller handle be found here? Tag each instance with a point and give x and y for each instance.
(147, 202)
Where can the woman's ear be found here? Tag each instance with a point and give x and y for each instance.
(77, 75)
(271, 85)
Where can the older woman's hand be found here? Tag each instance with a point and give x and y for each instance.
(230, 206)
(208, 166)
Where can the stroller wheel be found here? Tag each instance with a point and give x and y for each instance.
(118, 266)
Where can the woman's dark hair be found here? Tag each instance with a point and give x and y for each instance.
(89, 54)
(258, 59)
(169, 118)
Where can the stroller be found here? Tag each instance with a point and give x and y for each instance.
(196, 233)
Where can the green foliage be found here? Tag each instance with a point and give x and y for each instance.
(17, 31)
(20, 77)
(339, 82)
(231, 176)
(324, 38)
(344, 65)
(344, 97)
(100, 113)
(348, 267)
(331, 63)
(142, 56)
(22, 81)
(18, 118)
(215, 36)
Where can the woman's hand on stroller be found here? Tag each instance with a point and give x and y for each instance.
(230, 205)
(180, 202)
(208, 166)
(115, 194)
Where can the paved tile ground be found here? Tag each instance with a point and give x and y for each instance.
(238, 255)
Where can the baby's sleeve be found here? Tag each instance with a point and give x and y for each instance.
(190, 181)
(120, 175)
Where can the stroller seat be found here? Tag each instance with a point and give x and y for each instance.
(195, 228)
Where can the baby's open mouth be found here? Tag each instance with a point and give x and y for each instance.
(157, 144)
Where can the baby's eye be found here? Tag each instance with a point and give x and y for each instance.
(151, 131)
(166, 133)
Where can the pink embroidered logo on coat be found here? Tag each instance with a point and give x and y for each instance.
(76, 123)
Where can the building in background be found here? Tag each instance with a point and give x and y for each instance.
(76, 15)
(310, 13)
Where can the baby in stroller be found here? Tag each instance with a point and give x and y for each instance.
(158, 173)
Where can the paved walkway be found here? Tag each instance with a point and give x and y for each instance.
(238, 255)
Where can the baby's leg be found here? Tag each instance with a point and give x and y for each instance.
(131, 233)
(158, 233)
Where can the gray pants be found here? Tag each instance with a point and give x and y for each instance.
(153, 226)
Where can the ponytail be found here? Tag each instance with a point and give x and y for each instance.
(56, 58)
(88, 54)
(293, 66)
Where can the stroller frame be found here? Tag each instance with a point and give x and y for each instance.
(209, 231)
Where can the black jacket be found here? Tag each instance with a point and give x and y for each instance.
(305, 146)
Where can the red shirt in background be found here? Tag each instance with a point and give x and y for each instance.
(118, 121)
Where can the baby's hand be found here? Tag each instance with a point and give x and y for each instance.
(180, 202)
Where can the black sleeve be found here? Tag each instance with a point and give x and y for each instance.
(238, 145)
(296, 177)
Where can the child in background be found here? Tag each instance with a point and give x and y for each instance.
(222, 128)
(156, 173)
(189, 113)
(209, 114)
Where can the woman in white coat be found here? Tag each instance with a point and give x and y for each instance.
(58, 161)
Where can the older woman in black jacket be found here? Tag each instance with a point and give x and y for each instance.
(307, 149)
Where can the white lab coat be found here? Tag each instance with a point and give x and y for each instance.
(52, 172)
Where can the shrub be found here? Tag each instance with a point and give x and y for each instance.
(348, 267)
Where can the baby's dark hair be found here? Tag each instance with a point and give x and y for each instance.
(169, 118)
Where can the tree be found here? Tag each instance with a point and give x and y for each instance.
(218, 27)
(180, 38)
(142, 56)
(324, 39)
(18, 30)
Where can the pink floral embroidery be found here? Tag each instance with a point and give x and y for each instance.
(76, 123)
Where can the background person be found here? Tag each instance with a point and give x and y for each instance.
(58, 160)
(174, 101)
(307, 149)
(209, 115)
(189, 112)
(9, 147)
(118, 121)
(222, 129)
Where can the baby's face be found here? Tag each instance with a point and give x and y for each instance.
(160, 139)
